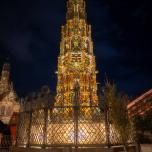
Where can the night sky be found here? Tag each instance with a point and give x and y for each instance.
(122, 31)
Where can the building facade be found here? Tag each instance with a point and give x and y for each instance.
(8, 99)
(141, 104)
(36, 100)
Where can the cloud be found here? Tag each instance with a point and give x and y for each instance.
(19, 46)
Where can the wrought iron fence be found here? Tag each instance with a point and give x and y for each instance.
(6, 143)
(61, 126)
(65, 126)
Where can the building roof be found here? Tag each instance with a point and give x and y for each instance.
(140, 98)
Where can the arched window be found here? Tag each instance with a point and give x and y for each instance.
(8, 112)
(2, 110)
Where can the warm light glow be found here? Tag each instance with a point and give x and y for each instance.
(76, 62)
(65, 134)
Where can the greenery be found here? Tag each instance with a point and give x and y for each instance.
(116, 104)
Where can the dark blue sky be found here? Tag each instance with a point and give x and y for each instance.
(122, 31)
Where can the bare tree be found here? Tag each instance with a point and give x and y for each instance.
(118, 115)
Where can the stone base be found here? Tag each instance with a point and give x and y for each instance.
(62, 150)
(132, 148)
(146, 147)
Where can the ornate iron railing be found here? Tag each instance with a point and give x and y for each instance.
(65, 126)
(6, 143)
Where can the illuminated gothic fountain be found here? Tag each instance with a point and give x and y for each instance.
(75, 119)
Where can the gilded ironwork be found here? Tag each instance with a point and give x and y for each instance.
(23, 129)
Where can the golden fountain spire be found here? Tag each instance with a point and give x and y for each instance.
(76, 9)
(76, 61)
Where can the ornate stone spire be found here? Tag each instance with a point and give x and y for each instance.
(5, 72)
(76, 62)
(76, 9)
(8, 97)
